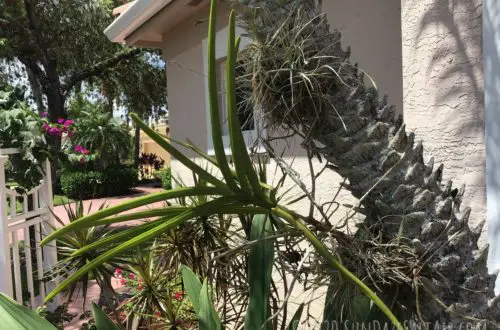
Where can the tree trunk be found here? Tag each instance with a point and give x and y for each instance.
(56, 109)
(137, 145)
(36, 89)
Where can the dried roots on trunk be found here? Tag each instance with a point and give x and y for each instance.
(415, 244)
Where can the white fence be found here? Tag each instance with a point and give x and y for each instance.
(25, 220)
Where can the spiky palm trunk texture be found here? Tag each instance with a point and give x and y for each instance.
(302, 79)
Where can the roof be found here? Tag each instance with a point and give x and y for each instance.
(133, 17)
(142, 22)
(122, 8)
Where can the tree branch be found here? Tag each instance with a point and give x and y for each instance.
(99, 68)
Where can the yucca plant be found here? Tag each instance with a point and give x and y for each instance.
(74, 241)
(239, 191)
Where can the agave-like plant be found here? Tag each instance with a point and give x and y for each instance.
(239, 191)
(74, 241)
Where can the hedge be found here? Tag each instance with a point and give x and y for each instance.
(78, 184)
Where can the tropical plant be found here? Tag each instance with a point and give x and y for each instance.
(21, 128)
(157, 297)
(149, 163)
(106, 136)
(414, 243)
(75, 241)
(165, 176)
(237, 190)
(15, 316)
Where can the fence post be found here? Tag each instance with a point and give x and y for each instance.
(5, 259)
(50, 250)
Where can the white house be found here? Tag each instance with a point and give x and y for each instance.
(438, 60)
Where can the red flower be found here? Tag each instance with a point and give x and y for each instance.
(179, 295)
(123, 281)
(85, 152)
(118, 271)
(131, 276)
(157, 314)
(140, 287)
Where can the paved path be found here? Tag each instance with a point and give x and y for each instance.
(77, 307)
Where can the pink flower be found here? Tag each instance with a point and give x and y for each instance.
(131, 276)
(44, 114)
(78, 148)
(123, 281)
(53, 131)
(85, 151)
(68, 122)
(118, 271)
(60, 120)
(140, 287)
(157, 314)
(45, 127)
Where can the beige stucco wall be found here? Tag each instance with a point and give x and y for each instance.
(372, 28)
(443, 89)
(147, 145)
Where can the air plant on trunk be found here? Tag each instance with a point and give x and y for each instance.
(236, 190)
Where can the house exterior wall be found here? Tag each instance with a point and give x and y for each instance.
(444, 92)
(373, 30)
(491, 47)
(149, 146)
(376, 47)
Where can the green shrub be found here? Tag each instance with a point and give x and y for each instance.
(165, 175)
(112, 181)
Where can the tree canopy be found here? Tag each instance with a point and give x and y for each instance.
(62, 47)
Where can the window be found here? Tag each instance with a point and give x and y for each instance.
(245, 109)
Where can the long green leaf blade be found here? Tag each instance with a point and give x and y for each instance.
(202, 173)
(148, 214)
(215, 120)
(242, 161)
(294, 322)
(260, 266)
(102, 321)
(14, 316)
(208, 208)
(118, 236)
(140, 201)
(192, 285)
(208, 318)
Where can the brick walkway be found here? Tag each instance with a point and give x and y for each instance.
(77, 307)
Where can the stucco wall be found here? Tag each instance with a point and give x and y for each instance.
(443, 89)
(491, 38)
(372, 28)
